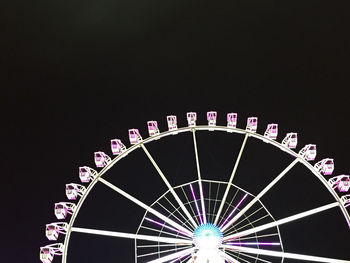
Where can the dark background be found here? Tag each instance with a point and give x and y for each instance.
(77, 73)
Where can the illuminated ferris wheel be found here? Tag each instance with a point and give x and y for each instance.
(202, 221)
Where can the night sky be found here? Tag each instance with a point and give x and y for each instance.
(75, 74)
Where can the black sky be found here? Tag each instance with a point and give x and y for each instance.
(77, 73)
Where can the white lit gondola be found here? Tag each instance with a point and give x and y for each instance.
(101, 159)
(117, 146)
(232, 120)
(340, 182)
(211, 117)
(252, 124)
(64, 208)
(134, 136)
(172, 122)
(291, 140)
(191, 118)
(47, 253)
(152, 128)
(325, 166)
(271, 131)
(86, 174)
(54, 229)
(74, 190)
(308, 152)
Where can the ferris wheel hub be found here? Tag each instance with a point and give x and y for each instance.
(207, 236)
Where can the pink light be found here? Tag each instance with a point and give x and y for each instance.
(195, 201)
(244, 197)
(254, 243)
(165, 226)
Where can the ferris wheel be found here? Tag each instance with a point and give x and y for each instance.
(203, 220)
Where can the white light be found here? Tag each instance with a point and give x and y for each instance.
(209, 256)
(207, 237)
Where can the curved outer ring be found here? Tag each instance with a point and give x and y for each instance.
(187, 129)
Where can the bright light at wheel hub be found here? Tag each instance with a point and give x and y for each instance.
(207, 236)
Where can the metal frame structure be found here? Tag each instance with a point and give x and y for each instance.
(230, 212)
(260, 215)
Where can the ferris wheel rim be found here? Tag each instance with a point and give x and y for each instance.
(192, 129)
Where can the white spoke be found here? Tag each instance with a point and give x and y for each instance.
(257, 237)
(160, 252)
(281, 221)
(231, 179)
(244, 219)
(169, 240)
(173, 213)
(190, 260)
(188, 201)
(247, 217)
(147, 208)
(158, 231)
(251, 222)
(228, 208)
(234, 209)
(157, 245)
(284, 254)
(184, 257)
(238, 255)
(229, 258)
(254, 243)
(209, 198)
(169, 186)
(195, 202)
(255, 258)
(199, 177)
(216, 199)
(179, 254)
(162, 226)
(266, 189)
